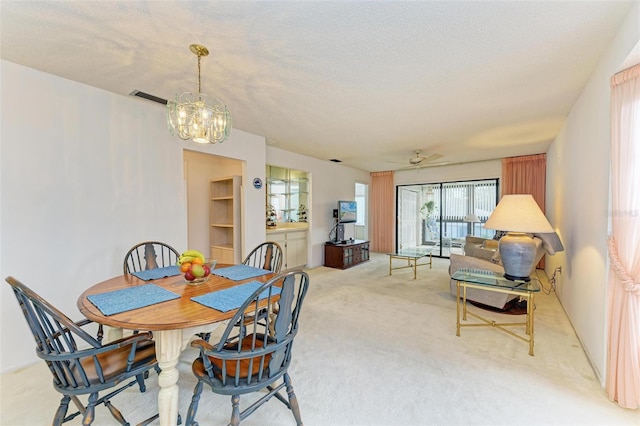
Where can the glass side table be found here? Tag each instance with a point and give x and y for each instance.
(492, 281)
(411, 255)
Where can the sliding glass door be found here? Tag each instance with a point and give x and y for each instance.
(408, 217)
(438, 215)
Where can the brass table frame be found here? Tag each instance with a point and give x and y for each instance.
(497, 283)
(411, 256)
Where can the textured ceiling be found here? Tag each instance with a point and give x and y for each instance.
(364, 82)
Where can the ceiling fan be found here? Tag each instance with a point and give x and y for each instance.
(421, 161)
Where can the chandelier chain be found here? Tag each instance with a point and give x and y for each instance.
(199, 75)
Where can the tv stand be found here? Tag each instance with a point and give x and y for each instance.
(345, 254)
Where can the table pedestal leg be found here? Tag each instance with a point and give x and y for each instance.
(168, 349)
(114, 333)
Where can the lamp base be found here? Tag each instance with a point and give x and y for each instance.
(518, 252)
(512, 278)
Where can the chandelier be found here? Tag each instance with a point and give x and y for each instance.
(191, 117)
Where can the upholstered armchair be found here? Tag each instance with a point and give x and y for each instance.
(483, 254)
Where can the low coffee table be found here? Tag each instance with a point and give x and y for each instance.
(492, 281)
(411, 255)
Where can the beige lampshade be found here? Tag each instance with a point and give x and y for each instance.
(518, 213)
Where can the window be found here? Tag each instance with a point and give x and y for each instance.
(361, 201)
(361, 191)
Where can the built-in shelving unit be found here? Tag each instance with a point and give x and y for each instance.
(288, 194)
(287, 191)
(225, 220)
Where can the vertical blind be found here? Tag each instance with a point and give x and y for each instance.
(462, 198)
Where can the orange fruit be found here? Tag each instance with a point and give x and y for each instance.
(197, 261)
(185, 267)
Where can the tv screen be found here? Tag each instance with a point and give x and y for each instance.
(347, 211)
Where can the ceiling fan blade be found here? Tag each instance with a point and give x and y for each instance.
(441, 163)
(431, 158)
(411, 167)
(418, 167)
(417, 162)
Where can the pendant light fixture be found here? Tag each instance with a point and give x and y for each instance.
(192, 118)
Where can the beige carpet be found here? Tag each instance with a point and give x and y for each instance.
(375, 349)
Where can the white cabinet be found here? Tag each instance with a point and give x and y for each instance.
(294, 246)
(280, 238)
(224, 215)
(296, 249)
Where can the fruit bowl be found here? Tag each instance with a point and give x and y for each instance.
(200, 273)
(198, 280)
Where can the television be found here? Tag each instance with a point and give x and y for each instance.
(347, 212)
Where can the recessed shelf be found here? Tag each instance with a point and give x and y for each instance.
(287, 190)
(224, 215)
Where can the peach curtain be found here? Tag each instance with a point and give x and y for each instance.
(623, 348)
(381, 211)
(526, 175)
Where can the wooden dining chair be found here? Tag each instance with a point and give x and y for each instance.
(79, 363)
(149, 255)
(267, 255)
(256, 359)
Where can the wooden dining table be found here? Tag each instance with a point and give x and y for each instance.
(173, 324)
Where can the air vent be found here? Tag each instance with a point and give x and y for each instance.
(148, 97)
(335, 160)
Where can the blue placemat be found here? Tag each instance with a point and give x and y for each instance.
(240, 272)
(127, 299)
(231, 298)
(154, 274)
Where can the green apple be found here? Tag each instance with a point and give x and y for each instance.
(197, 271)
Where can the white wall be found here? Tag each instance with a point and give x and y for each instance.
(330, 182)
(577, 199)
(86, 174)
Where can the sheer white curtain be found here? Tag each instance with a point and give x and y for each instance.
(623, 355)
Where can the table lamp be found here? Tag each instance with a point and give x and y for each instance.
(471, 218)
(519, 215)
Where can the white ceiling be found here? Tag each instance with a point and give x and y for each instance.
(364, 82)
